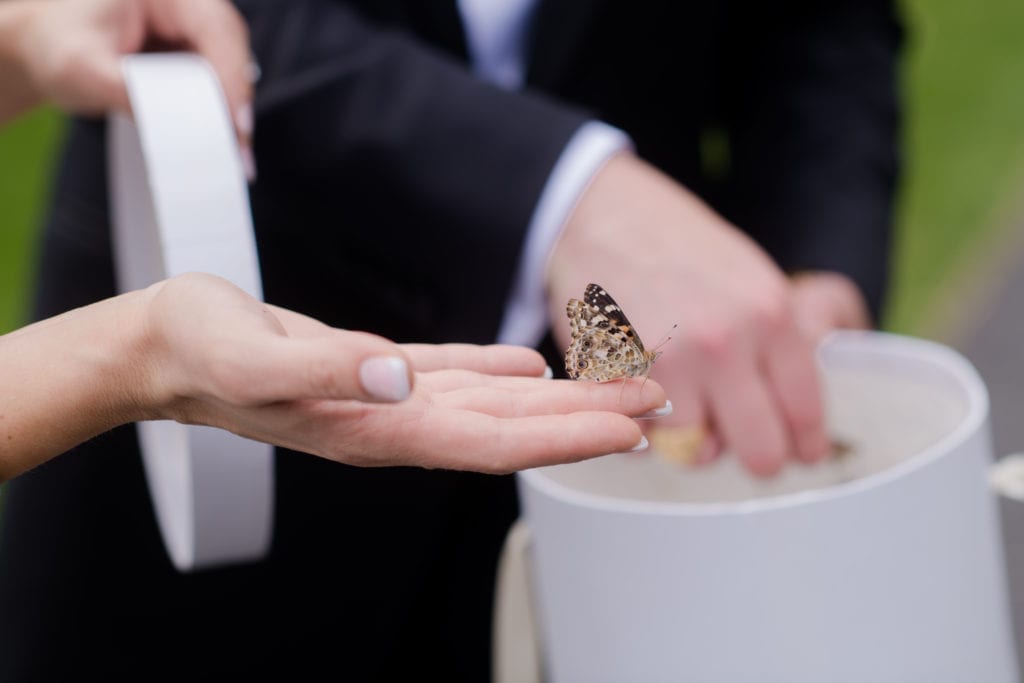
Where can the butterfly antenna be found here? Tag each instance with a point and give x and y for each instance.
(655, 350)
(666, 339)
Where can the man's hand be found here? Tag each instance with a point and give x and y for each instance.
(741, 364)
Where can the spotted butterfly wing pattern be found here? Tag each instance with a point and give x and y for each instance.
(604, 344)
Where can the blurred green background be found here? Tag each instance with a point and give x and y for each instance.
(964, 160)
(26, 159)
(960, 207)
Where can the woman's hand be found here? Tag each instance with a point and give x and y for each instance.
(69, 53)
(217, 356)
(199, 350)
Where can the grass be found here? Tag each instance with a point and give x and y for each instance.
(964, 153)
(26, 156)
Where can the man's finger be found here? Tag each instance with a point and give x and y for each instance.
(747, 417)
(795, 384)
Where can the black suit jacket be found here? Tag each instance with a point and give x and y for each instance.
(394, 191)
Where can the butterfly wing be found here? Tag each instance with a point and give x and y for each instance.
(603, 346)
(596, 296)
(583, 329)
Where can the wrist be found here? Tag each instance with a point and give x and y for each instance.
(625, 196)
(594, 201)
(73, 376)
(17, 26)
(132, 360)
(148, 357)
(581, 232)
(586, 153)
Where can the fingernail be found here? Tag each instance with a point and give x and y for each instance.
(385, 378)
(642, 446)
(253, 71)
(244, 120)
(657, 412)
(248, 163)
(548, 372)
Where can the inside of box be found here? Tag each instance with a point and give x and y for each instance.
(884, 414)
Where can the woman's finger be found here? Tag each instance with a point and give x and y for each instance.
(343, 365)
(491, 359)
(551, 397)
(468, 440)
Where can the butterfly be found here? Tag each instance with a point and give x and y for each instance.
(604, 344)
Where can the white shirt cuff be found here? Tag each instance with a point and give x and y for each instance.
(526, 318)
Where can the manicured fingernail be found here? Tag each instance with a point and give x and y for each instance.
(253, 71)
(248, 163)
(548, 372)
(385, 378)
(657, 412)
(642, 446)
(244, 120)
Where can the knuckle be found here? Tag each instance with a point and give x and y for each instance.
(770, 312)
(190, 280)
(717, 342)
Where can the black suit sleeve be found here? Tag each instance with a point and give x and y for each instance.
(398, 178)
(813, 128)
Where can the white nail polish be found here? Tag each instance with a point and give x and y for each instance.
(244, 120)
(663, 411)
(642, 446)
(548, 372)
(253, 72)
(248, 163)
(385, 378)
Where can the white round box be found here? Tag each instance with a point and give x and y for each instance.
(884, 564)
